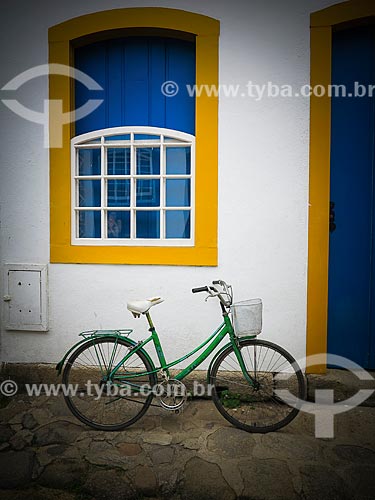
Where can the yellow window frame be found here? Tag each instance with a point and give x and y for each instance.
(61, 37)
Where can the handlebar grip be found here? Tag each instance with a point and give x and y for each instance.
(200, 289)
(216, 282)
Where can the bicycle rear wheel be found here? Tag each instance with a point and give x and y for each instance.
(102, 402)
(256, 406)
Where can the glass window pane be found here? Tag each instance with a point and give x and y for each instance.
(146, 137)
(118, 224)
(89, 161)
(178, 161)
(89, 193)
(118, 161)
(148, 224)
(177, 223)
(93, 141)
(173, 140)
(148, 161)
(118, 193)
(120, 137)
(178, 192)
(89, 223)
(148, 193)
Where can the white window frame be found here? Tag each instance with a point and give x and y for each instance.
(82, 142)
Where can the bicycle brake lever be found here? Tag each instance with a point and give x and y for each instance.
(212, 295)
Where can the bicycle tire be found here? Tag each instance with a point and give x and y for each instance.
(244, 409)
(84, 365)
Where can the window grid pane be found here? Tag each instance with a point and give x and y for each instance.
(89, 224)
(89, 161)
(178, 192)
(154, 207)
(148, 224)
(118, 161)
(177, 224)
(148, 193)
(118, 224)
(147, 161)
(118, 193)
(178, 160)
(89, 193)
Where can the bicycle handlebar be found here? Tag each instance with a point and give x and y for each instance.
(200, 289)
(213, 292)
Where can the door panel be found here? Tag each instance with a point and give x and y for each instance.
(351, 284)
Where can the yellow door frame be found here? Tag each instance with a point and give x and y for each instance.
(322, 24)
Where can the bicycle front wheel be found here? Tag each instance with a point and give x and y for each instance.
(105, 402)
(253, 403)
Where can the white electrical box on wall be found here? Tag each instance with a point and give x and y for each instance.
(25, 297)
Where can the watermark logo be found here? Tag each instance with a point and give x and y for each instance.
(170, 88)
(324, 408)
(52, 136)
(260, 91)
(171, 388)
(8, 388)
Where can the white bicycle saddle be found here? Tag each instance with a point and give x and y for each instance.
(138, 307)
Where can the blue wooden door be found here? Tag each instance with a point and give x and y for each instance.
(351, 303)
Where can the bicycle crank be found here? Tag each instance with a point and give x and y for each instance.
(172, 394)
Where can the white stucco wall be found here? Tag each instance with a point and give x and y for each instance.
(263, 186)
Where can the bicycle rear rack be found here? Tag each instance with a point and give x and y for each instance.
(105, 333)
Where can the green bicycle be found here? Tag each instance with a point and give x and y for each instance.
(112, 380)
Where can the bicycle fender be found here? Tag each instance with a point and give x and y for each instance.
(61, 363)
(134, 343)
(251, 337)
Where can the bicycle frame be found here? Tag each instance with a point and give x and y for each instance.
(216, 337)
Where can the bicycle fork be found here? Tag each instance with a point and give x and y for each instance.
(237, 350)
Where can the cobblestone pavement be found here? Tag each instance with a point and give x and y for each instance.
(47, 454)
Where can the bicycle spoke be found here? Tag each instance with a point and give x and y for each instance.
(273, 355)
(104, 407)
(255, 407)
(233, 382)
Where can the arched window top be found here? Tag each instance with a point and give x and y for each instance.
(133, 135)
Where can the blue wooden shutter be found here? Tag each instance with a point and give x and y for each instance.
(131, 71)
